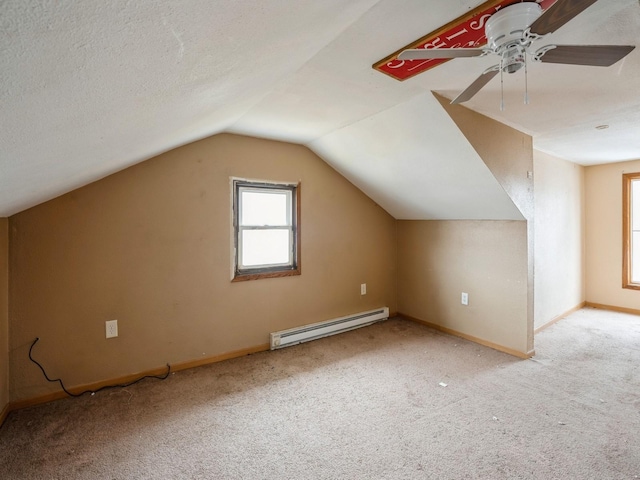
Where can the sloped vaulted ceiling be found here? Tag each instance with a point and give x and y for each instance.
(89, 88)
(420, 166)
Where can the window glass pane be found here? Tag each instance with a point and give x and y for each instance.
(635, 204)
(265, 247)
(264, 208)
(635, 257)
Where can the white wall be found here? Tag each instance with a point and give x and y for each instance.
(603, 187)
(559, 225)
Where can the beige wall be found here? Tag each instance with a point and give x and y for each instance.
(150, 247)
(559, 237)
(509, 155)
(438, 260)
(4, 313)
(603, 192)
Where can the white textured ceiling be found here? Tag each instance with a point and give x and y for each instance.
(89, 88)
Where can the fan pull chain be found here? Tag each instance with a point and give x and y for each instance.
(526, 82)
(501, 86)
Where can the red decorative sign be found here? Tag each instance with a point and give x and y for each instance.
(466, 31)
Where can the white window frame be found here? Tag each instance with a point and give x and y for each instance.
(253, 272)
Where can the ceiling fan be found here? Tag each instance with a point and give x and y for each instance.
(510, 34)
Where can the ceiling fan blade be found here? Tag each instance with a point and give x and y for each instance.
(593, 55)
(475, 87)
(429, 53)
(558, 14)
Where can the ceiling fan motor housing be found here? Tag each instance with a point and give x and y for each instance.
(505, 33)
(506, 27)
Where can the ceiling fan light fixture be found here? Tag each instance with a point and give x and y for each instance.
(513, 59)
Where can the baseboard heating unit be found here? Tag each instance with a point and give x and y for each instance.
(306, 333)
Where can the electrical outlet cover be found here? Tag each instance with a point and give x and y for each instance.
(464, 299)
(111, 327)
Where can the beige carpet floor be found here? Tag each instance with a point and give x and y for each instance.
(368, 404)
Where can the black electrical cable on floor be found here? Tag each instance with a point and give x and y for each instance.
(59, 380)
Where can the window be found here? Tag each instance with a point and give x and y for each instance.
(266, 221)
(631, 230)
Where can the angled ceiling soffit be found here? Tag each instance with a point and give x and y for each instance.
(507, 152)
